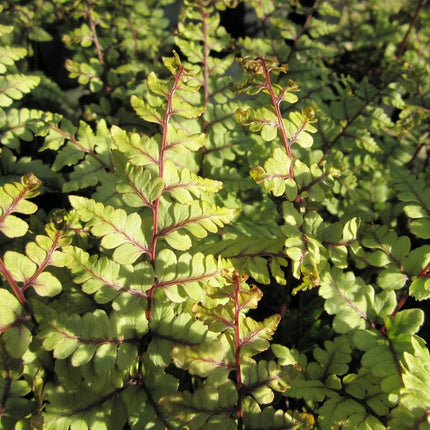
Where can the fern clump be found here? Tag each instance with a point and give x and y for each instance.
(207, 227)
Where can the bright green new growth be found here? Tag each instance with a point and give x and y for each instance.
(212, 231)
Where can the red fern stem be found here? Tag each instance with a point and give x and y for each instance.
(239, 411)
(155, 209)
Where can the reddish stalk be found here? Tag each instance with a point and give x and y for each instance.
(45, 263)
(402, 300)
(72, 139)
(276, 102)
(155, 208)
(239, 411)
(303, 30)
(405, 294)
(97, 43)
(93, 29)
(402, 46)
(349, 122)
(15, 288)
(19, 294)
(425, 272)
(7, 211)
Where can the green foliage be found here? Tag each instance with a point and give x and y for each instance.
(206, 230)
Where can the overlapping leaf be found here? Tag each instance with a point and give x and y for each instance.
(119, 231)
(213, 360)
(299, 126)
(86, 150)
(346, 298)
(366, 387)
(415, 394)
(143, 400)
(107, 279)
(391, 251)
(140, 150)
(181, 142)
(184, 185)
(29, 269)
(86, 73)
(14, 87)
(15, 391)
(81, 409)
(256, 418)
(17, 124)
(93, 337)
(260, 380)
(263, 120)
(261, 257)
(338, 237)
(172, 331)
(400, 264)
(322, 377)
(219, 313)
(153, 112)
(382, 358)
(178, 222)
(255, 336)
(415, 194)
(325, 379)
(276, 176)
(339, 409)
(303, 246)
(186, 275)
(15, 334)
(419, 262)
(140, 189)
(205, 408)
(14, 198)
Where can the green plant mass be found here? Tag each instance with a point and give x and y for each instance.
(214, 214)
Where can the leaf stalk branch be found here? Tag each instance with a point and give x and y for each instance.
(155, 209)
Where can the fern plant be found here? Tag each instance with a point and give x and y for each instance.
(205, 230)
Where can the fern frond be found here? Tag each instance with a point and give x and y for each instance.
(275, 175)
(139, 188)
(81, 408)
(139, 150)
(86, 73)
(205, 408)
(14, 199)
(257, 418)
(324, 380)
(106, 279)
(184, 185)
(29, 270)
(119, 231)
(415, 195)
(347, 298)
(213, 360)
(14, 87)
(186, 275)
(9, 55)
(171, 330)
(260, 380)
(22, 124)
(16, 336)
(178, 222)
(413, 409)
(92, 337)
(14, 388)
